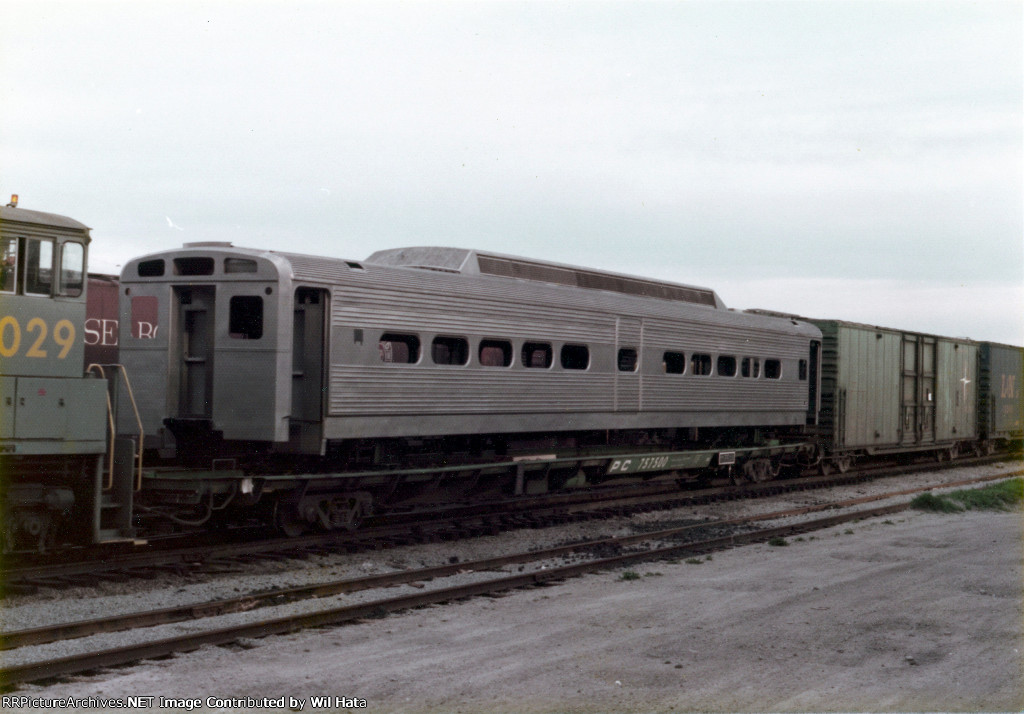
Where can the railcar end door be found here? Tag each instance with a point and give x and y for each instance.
(195, 348)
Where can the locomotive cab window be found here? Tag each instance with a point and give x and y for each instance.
(674, 362)
(700, 364)
(627, 359)
(245, 318)
(38, 267)
(726, 366)
(399, 348)
(495, 353)
(72, 269)
(8, 265)
(537, 355)
(575, 356)
(772, 369)
(450, 350)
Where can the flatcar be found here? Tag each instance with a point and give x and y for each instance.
(53, 418)
(274, 362)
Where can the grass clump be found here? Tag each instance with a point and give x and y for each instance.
(1000, 496)
(630, 575)
(778, 541)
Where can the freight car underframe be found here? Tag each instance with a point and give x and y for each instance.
(296, 495)
(842, 460)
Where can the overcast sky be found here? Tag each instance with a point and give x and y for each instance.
(851, 160)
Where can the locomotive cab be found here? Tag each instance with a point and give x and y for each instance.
(52, 419)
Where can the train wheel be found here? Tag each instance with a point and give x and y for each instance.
(825, 467)
(844, 463)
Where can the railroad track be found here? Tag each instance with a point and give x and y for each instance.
(689, 540)
(125, 562)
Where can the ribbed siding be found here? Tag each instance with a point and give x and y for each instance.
(427, 390)
(455, 314)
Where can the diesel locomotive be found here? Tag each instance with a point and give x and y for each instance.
(54, 421)
(307, 392)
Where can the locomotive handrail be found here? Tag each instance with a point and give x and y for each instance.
(110, 422)
(137, 457)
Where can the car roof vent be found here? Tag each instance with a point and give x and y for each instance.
(528, 270)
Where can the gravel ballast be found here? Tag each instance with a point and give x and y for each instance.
(914, 612)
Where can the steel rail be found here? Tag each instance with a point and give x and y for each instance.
(126, 621)
(123, 655)
(569, 504)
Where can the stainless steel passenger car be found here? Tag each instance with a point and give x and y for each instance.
(295, 353)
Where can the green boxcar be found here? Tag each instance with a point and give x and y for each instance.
(1000, 407)
(889, 391)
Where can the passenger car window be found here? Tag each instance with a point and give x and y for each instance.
(151, 268)
(627, 359)
(726, 366)
(450, 350)
(193, 266)
(772, 369)
(575, 356)
(537, 355)
(700, 364)
(239, 265)
(394, 347)
(245, 318)
(495, 353)
(675, 362)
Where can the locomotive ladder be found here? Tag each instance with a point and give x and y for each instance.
(122, 475)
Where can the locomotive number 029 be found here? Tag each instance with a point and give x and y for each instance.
(36, 337)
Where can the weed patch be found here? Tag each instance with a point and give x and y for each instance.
(1000, 496)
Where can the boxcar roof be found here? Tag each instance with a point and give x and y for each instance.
(857, 325)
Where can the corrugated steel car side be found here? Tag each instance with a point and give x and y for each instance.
(886, 390)
(1000, 406)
